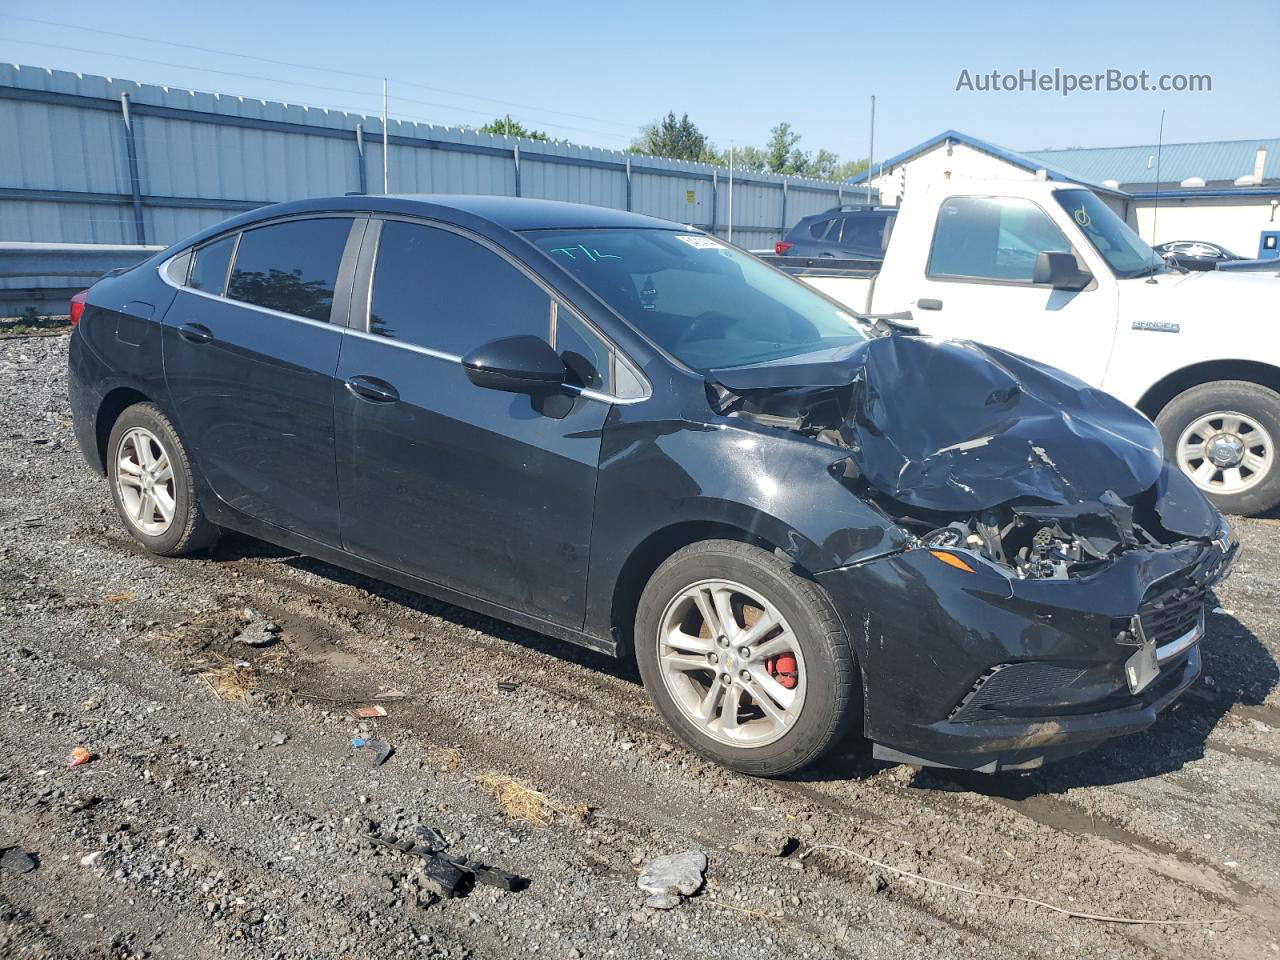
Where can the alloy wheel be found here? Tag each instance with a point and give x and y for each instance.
(144, 478)
(731, 663)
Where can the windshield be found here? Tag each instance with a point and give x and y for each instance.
(1125, 252)
(708, 304)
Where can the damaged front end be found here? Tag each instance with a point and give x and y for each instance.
(1053, 591)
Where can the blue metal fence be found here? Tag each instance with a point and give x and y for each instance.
(88, 159)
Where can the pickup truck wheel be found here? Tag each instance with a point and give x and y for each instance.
(745, 659)
(1224, 436)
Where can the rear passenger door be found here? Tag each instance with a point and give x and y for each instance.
(487, 493)
(251, 346)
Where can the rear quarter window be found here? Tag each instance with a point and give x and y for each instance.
(209, 265)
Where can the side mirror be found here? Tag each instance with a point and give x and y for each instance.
(524, 364)
(1060, 271)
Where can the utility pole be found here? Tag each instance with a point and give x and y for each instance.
(386, 177)
(871, 148)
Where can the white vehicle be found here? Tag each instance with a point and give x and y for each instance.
(1047, 270)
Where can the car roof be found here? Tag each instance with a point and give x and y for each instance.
(526, 213)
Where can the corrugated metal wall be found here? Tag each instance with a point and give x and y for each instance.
(66, 173)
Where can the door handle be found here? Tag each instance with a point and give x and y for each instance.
(373, 389)
(195, 332)
(929, 304)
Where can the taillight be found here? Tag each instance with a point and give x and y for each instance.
(77, 307)
(781, 247)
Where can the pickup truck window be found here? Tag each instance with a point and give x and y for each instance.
(706, 303)
(992, 238)
(1125, 252)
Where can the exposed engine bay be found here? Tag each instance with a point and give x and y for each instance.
(968, 447)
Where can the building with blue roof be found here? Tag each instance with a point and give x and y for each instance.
(1225, 192)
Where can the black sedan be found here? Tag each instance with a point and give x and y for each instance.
(1195, 254)
(625, 433)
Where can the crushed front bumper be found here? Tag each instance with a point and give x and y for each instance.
(983, 671)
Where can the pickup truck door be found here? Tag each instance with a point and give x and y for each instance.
(977, 286)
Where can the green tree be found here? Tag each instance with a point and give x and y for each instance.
(512, 128)
(675, 139)
(781, 153)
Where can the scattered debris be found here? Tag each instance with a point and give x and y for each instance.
(260, 633)
(368, 711)
(79, 757)
(91, 859)
(669, 878)
(445, 875)
(1223, 612)
(522, 802)
(16, 860)
(380, 749)
(507, 686)
(279, 738)
(33, 521)
(124, 597)
(765, 843)
(231, 681)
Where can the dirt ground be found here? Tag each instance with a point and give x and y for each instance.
(224, 808)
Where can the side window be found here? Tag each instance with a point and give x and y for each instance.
(992, 238)
(209, 266)
(436, 289)
(864, 233)
(819, 229)
(291, 267)
(585, 354)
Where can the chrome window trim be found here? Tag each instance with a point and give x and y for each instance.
(411, 347)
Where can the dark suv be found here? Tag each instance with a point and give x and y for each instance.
(848, 232)
(625, 433)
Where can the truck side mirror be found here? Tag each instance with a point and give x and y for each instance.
(1060, 271)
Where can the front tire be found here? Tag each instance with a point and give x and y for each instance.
(1224, 436)
(746, 660)
(151, 485)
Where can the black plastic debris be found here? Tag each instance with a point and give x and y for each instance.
(379, 750)
(445, 875)
(506, 686)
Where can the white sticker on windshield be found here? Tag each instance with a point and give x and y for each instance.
(700, 243)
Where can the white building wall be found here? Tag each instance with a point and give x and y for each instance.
(1234, 222)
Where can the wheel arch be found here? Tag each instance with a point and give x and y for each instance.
(652, 552)
(1164, 390)
(116, 402)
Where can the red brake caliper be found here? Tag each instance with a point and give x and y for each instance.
(784, 669)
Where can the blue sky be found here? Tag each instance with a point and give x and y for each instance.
(593, 73)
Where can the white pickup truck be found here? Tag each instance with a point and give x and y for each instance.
(1047, 270)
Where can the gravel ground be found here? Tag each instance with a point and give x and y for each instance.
(224, 808)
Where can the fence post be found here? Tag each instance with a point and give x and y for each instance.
(628, 184)
(784, 206)
(515, 158)
(715, 196)
(360, 163)
(135, 182)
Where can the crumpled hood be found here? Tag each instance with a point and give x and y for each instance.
(957, 426)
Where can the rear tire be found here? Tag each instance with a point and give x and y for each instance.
(1225, 436)
(812, 698)
(151, 484)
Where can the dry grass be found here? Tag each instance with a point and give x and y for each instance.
(448, 757)
(523, 803)
(119, 597)
(229, 681)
